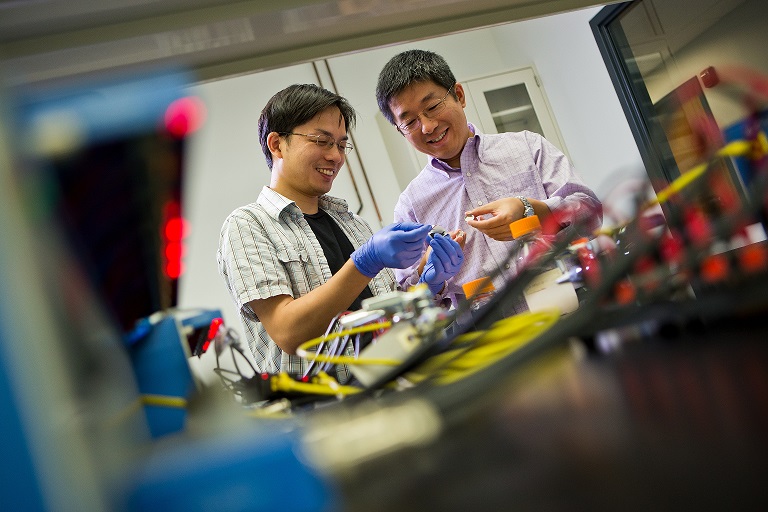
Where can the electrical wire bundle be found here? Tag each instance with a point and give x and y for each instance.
(476, 350)
(437, 359)
(343, 345)
(705, 214)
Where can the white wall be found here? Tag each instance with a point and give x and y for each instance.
(226, 169)
(580, 92)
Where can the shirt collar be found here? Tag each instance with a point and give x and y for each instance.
(333, 203)
(440, 165)
(275, 203)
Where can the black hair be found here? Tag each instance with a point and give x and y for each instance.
(295, 105)
(407, 68)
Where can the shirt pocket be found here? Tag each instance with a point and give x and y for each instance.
(302, 274)
(509, 180)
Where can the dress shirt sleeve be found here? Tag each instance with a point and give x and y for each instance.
(568, 197)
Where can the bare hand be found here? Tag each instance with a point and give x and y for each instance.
(498, 215)
(459, 236)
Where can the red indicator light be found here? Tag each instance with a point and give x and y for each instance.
(624, 292)
(174, 269)
(184, 116)
(671, 248)
(176, 229)
(753, 258)
(175, 251)
(714, 268)
(698, 227)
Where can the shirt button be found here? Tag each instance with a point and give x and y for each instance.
(468, 174)
(506, 266)
(479, 203)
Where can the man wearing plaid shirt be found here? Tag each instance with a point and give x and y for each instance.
(297, 257)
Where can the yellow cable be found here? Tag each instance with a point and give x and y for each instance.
(502, 339)
(164, 401)
(302, 351)
(324, 385)
(732, 149)
(487, 347)
(760, 147)
(735, 148)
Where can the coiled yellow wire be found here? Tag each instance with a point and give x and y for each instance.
(477, 350)
(471, 352)
(302, 351)
(321, 384)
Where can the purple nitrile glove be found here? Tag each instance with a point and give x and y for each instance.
(398, 245)
(442, 263)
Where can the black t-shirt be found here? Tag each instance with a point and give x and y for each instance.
(336, 247)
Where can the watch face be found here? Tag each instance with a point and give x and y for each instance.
(527, 207)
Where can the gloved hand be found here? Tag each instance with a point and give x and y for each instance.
(398, 245)
(443, 262)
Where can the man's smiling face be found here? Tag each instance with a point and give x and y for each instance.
(442, 135)
(307, 170)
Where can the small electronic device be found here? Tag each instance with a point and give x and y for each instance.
(437, 230)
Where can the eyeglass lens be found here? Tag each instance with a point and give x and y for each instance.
(428, 112)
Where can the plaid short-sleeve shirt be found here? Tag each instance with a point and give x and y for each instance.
(267, 249)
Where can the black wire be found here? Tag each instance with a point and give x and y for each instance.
(228, 383)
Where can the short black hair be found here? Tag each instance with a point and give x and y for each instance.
(295, 105)
(407, 68)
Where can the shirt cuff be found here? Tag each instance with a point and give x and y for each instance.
(553, 203)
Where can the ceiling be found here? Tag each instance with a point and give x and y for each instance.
(43, 40)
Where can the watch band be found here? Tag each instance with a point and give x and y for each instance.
(527, 206)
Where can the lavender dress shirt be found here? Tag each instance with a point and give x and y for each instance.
(493, 166)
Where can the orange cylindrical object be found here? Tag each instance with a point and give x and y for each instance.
(478, 286)
(525, 225)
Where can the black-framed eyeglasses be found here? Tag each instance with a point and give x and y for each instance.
(324, 141)
(430, 112)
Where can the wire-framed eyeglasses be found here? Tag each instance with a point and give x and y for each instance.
(324, 141)
(430, 112)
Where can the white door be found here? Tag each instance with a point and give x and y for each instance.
(511, 102)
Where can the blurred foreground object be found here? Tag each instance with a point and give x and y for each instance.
(159, 348)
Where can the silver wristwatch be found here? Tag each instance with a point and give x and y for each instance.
(528, 207)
